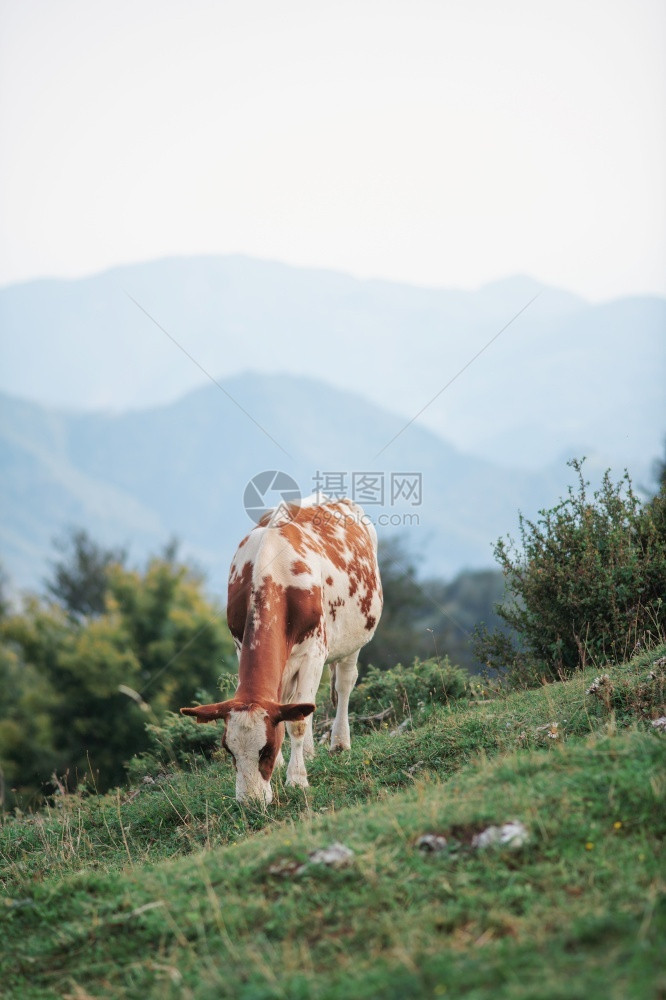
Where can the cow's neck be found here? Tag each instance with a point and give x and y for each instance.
(266, 646)
(260, 673)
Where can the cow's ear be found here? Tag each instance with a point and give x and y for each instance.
(209, 713)
(294, 713)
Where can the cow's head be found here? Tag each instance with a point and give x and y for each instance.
(253, 736)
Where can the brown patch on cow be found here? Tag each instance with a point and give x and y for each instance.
(298, 566)
(296, 538)
(305, 611)
(334, 605)
(298, 729)
(365, 602)
(238, 601)
(329, 581)
(370, 622)
(268, 755)
(319, 529)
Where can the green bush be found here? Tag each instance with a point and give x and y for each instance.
(407, 688)
(174, 741)
(586, 586)
(78, 688)
(177, 741)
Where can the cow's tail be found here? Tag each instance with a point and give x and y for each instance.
(334, 693)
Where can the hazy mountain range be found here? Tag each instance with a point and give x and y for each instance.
(181, 469)
(127, 436)
(566, 376)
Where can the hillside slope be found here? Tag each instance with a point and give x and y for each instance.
(135, 895)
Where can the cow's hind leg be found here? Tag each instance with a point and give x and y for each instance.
(346, 675)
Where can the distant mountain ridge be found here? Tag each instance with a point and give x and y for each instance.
(565, 376)
(139, 478)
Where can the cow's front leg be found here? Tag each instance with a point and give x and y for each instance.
(346, 675)
(308, 675)
(308, 742)
(296, 773)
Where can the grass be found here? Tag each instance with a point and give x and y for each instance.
(167, 889)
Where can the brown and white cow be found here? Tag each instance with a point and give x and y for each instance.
(303, 591)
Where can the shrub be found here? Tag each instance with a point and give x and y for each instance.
(405, 688)
(587, 584)
(175, 740)
(77, 686)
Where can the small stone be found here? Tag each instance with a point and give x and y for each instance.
(431, 843)
(15, 904)
(513, 834)
(335, 856)
(490, 835)
(660, 724)
(286, 868)
(148, 780)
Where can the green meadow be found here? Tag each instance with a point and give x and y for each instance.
(170, 888)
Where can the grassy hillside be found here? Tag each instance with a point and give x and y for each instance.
(173, 889)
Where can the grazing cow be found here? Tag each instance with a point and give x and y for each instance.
(303, 592)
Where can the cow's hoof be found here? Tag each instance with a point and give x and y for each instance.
(339, 747)
(298, 780)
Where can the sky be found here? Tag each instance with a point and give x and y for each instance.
(446, 143)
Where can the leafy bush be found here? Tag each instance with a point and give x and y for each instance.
(587, 584)
(78, 687)
(405, 688)
(176, 740)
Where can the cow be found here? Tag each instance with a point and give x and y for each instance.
(304, 591)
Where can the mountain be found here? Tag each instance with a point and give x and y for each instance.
(140, 477)
(565, 376)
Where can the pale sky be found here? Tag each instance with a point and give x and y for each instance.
(440, 143)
